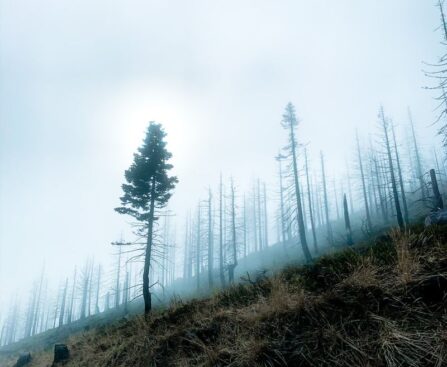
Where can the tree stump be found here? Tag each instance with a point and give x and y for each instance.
(61, 353)
(23, 360)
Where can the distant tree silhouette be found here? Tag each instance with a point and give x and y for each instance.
(290, 122)
(385, 126)
(148, 189)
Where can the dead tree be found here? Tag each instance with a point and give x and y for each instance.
(266, 233)
(210, 242)
(418, 160)
(326, 203)
(255, 218)
(221, 230)
(198, 249)
(64, 297)
(290, 122)
(232, 265)
(362, 176)
(401, 181)
(85, 290)
(186, 259)
(118, 273)
(385, 126)
(439, 204)
(72, 299)
(98, 288)
(244, 224)
(279, 158)
(259, 216)
(309, 199)
(349, 240)
(348, 179)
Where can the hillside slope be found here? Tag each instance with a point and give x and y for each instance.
(379, 304)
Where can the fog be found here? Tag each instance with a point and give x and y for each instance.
(79, 82)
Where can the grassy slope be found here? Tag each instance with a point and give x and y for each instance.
(379, 305)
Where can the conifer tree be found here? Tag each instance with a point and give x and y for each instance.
(147, 189)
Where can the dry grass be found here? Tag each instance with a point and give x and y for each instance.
(382, 305)
(407, 265)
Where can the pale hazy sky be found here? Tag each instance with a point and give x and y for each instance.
(79, 80)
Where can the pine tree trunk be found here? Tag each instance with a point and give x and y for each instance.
(147, 296)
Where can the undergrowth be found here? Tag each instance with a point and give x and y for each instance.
(378, 305)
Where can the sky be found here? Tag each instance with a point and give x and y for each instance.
(79, 81)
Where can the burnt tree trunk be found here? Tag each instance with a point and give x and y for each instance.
(439, 204)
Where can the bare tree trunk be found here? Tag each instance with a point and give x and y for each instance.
(233, 265)
(210, 243)
(185, 255)
(198, 250)
(98, 288)
(348, 178)
(326, 203)
(439, 204)
(70, 311)
(266, 233)
(365, 194)
(245, 227)
(64, 297)
(311, 214)
(85, 283)
(90, 290)
(147, 296)
(301, 228)
(118, 278)
(221, 253)
(401, 181)
(419, 172)
(126, 293)
(349, 240)
(255, 223)
(261, 242)
(334, 185)
(38, 303)
(377, 174)
(400, 219)
(279, 159)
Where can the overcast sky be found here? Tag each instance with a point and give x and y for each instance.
(79, 81)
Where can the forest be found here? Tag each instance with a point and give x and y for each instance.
(393, 179)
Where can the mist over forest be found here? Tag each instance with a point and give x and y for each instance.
(154, 152)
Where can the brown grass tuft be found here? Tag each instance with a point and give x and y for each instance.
(407, 261)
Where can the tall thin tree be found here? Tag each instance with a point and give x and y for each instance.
(290, 122)
(148, 188)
